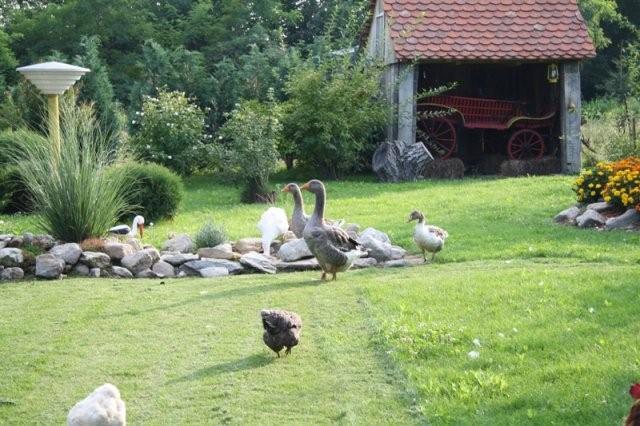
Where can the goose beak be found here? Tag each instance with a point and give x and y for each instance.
(141, 230)
(285, 189)
(305, 187)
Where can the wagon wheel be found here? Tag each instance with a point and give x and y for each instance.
(525, 144)
(440, 137)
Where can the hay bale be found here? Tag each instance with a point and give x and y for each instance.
(534, 167)
(452, 168)
(490, 164)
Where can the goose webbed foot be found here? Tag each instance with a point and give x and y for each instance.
(334, 277)
(288, 351)
(323, 277)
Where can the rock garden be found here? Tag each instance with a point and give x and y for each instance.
(42, 257)
(608, 197)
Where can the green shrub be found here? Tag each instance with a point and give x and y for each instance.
(74, 196)
(14, 195)
(210, 235)
(170, 131)
(334, 114)
(250, 151)
(12, 140)
(156, 191)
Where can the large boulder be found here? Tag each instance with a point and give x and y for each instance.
(11, 257)
(374, 233)
(151, 251)
(628, 219)
(601, 206)
(44, 242)
(397, 161)
(116, 251)
(164, 269)
(147, 273)
(80, 270)
(193, 267)
(137, 262)
(177, 259)
(120, 272)
(258, 262)
(95, 259)
(103, 407)
(377, 249)
(69, 252)
(568, 216)
(9, 274)
(364, 262)
(49, 266)
(221, 251)
(294, 250)
(590, 219)
(246, 245)
(181, 243)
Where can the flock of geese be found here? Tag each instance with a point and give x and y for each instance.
(332, 246)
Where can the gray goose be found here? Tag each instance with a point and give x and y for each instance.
(298, 218)
(281, 329)
(329, 244)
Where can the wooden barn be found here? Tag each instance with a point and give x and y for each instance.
(514, 64)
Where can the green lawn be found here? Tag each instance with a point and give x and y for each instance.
(554, 309)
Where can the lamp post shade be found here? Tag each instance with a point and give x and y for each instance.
(53, 78)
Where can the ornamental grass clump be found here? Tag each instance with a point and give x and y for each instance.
(73, 196)
(210, 235)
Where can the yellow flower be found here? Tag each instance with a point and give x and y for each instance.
(593, 193)
(598, 186)
(590, 185)
(607, 198)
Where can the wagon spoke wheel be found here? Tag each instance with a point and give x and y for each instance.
(525, 144)
(440, 137)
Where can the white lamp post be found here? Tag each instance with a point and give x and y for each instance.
(53, 79)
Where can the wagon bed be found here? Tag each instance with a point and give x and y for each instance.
(483, 113)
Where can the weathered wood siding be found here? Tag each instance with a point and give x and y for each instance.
(570, 117)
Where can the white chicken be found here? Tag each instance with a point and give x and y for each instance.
(273, 224)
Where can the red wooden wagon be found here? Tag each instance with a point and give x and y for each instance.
(525, 141)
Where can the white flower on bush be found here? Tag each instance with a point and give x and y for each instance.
(148, 146)
(169, 157)
(133, 121)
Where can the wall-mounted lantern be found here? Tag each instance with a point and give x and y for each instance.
(552, 73)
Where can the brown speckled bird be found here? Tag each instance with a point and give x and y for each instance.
(281, 329)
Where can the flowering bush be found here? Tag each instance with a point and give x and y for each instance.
(591, 182)
(616, 183)
(623, 187)
(170, 131)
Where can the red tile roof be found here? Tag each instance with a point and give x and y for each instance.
(487, 30)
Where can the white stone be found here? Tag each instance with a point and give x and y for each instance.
(568, 216)
(70, 253)
(364, 262)
(258, 262)
(103, 407)
(193, 267)
(299, 265)
(95, 259)
(378, 235)
(11, 257)
(116, 251)
(600, 206)
(148, 273)
(245, 245)
(590, 219)
(137, 262)
(120, 272)
(94, 272)
(181, 243)
(221, 251)
(13, 273)
(49, 266)
(628, 219)
(80, 269)
(164, 268)
(294, 250)
(177, 259)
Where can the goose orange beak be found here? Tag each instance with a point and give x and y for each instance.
(285, 189)
(141, 230)
(305, 187)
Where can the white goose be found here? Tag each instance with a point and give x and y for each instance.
(428, 238)
(273, 223)
(136, 227)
